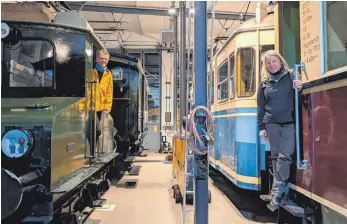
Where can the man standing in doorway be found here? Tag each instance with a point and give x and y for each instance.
(99, 96)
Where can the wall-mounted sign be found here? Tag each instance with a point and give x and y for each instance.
(310, 38)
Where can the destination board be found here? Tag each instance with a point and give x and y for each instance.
(310, 38)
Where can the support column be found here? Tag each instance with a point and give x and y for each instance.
(200, 96)
(174, 86)
(183, 73)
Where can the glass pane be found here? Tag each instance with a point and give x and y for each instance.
(223, 72)
(223, 91)
(263, 49)
(222, 76)
(336, 35)
(232, 74)
(246, 78)
(31, 64)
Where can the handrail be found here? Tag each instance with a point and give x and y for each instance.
(300, 165)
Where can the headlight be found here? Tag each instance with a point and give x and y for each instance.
(16, 143)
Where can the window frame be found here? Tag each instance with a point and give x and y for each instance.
(237, 73)
(260, 59)
(324, 43)
(234, 76)
(212, 86)
(220, 100)
(20, 92)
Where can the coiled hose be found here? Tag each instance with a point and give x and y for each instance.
(194, 136)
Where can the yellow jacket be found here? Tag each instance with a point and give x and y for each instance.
(102, 92)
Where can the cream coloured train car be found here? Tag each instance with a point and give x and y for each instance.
(239, 154)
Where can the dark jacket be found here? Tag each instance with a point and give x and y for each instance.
(276, 101)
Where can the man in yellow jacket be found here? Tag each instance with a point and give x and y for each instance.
(99, 96)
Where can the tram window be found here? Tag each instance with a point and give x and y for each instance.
(31, 64)
(245, 72)
(222, 81)
(336, 35)
(263, 49)
(232, 76)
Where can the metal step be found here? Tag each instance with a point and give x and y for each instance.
(98, 203)
(291, 207)
(75, 179)
(129, 159)
(189, 192)
(135, 170)
(271, 207)
(266, 197)
(294, 209)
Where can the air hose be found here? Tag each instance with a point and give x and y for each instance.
(206, 140)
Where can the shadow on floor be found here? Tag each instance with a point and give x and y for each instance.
(247, 202)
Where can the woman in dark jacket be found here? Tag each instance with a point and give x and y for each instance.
(276, 118)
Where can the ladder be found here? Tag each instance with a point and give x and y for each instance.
(189, 180)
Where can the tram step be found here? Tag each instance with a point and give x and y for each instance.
(266, 197)
(129, 159)
(98, 203)
(135, 170)
(293, 208)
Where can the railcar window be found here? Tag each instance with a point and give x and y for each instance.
(263, 49)
(89, 57)
(245, 72)
(336, 34)
(222, 81)
(30, 64)
(232, 76)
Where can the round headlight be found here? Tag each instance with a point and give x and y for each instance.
(16, 143)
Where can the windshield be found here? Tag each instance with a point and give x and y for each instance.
(29, 63)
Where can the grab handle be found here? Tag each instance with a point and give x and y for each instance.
(301, 165)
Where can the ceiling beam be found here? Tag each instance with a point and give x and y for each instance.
(150, 11)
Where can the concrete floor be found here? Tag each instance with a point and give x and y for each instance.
(151, 201)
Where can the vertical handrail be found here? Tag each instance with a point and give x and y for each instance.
(301, 165)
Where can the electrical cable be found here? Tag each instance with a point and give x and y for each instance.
(194, 135)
